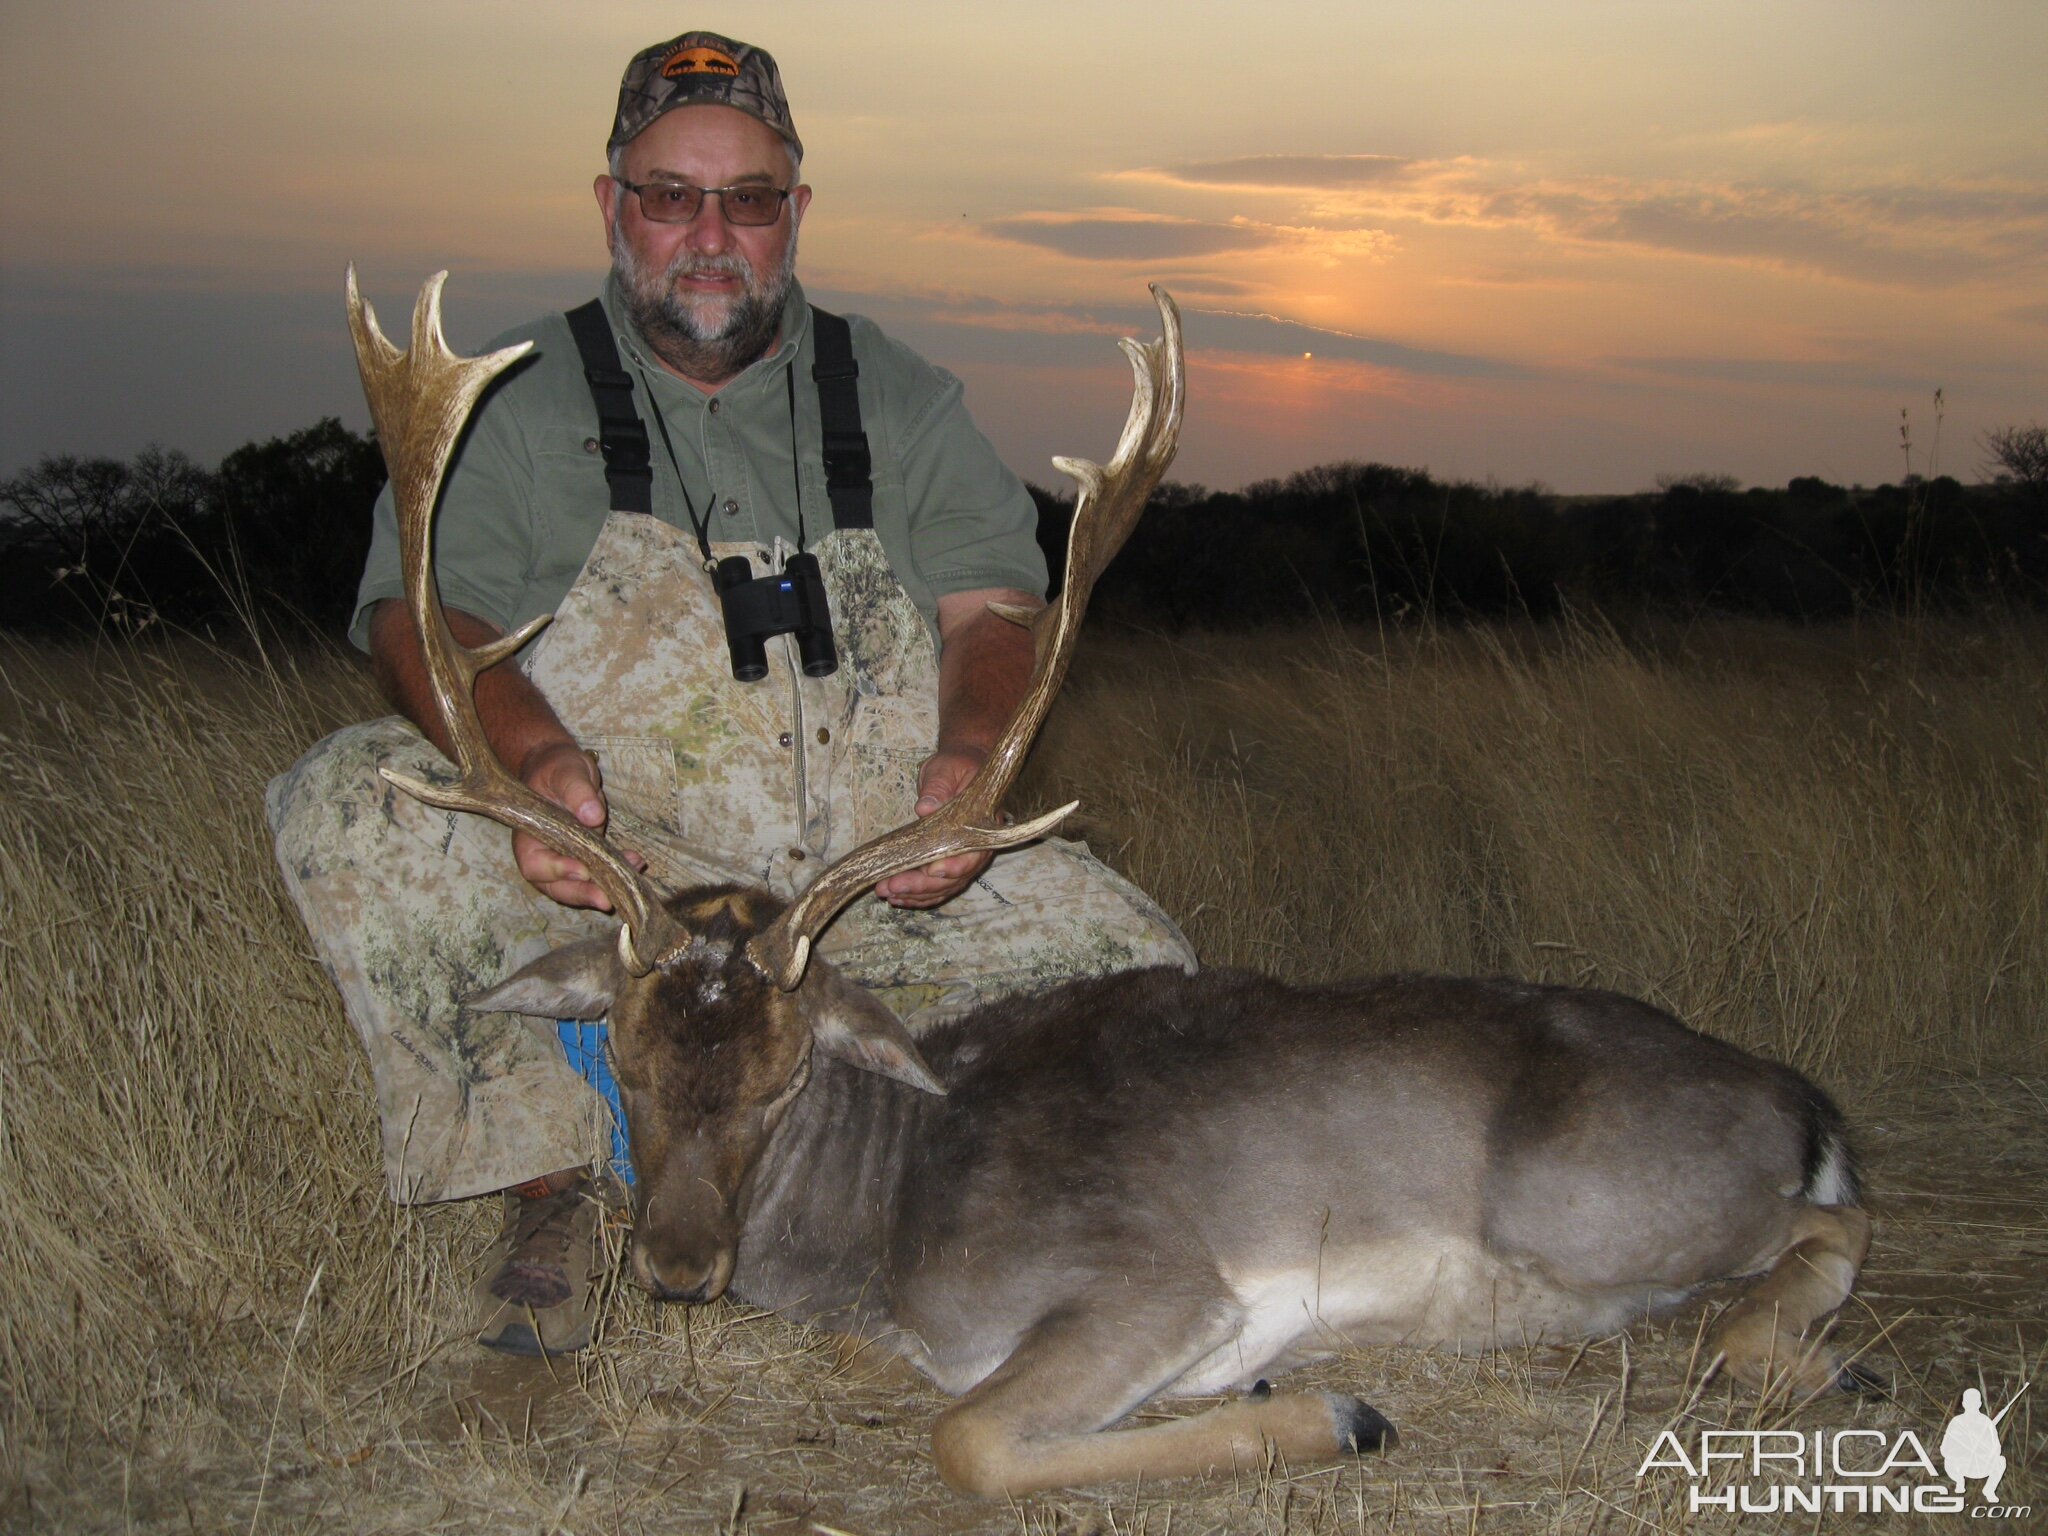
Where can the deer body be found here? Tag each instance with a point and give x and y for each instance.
(1154, 1184)
(1406, 1160)
(1147, 1183)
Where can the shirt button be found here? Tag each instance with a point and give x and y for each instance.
(714, 405)
(796, 853)
(732, 507)
(824, 736)
(784, 740)
(591, 445)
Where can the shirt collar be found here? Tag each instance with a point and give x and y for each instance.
(795, 331)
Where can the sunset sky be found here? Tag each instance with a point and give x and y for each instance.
(1584, 242)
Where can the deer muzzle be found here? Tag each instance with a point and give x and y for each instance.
(685, 1238)
(690, 1280)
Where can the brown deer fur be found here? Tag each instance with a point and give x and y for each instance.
(1152, 1184)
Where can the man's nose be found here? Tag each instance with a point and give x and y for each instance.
(709, 232)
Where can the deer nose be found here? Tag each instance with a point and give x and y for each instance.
(691, 1282)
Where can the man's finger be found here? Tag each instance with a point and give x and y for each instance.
(569, 776)
(932, 884)
(579, 893)
(581, 798)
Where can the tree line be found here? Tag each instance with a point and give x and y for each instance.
(277, 535)
(1370, 542)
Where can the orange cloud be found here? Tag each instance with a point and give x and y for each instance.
(1127, 235)
(1904, 233)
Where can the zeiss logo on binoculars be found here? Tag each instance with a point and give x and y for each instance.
(1846, 1471)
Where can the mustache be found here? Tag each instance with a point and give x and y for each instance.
(689, 264)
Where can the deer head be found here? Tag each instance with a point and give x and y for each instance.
(715, 1003)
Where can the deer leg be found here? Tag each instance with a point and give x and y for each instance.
(1038, 1421)
(1760, 1336)
(871, 1362)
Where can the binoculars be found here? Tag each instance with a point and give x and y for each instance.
(757, 608)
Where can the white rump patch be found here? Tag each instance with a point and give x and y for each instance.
(1831, 1182)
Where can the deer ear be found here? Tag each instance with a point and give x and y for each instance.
(576, 981)
(847, 1022)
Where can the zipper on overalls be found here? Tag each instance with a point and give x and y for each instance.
(799, 755)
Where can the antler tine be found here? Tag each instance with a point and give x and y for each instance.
(1107, 507)
(419, 401)
(1114, 499)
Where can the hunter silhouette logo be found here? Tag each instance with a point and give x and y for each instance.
(1863, 1471)
(1970, 1448)
(699, 60)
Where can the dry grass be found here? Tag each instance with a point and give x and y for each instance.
(1830, 845)
(1826, 844)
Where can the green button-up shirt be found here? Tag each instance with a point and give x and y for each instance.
(526, 496)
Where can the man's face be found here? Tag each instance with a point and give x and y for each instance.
(708, 294)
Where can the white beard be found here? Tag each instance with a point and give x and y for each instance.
(706, 338)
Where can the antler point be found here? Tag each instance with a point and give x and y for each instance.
(629, 956)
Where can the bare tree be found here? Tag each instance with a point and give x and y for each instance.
(80, 508)
(2020, 453)
(98, 540)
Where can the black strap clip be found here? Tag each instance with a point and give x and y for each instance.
(849, 466)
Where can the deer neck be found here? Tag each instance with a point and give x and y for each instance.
(823, 1197)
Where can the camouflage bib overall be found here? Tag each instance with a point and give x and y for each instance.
(412, 908)
(765, 781)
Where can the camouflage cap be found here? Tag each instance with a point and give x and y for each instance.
(701, 69)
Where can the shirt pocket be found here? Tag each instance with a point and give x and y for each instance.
(570, 504)
(640, 771)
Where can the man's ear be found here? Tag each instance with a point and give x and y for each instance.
(576, 981)
(849, 1023)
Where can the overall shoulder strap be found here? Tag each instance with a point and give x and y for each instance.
(628, 470)
(849, 468)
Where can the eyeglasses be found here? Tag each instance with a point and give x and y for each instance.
(677, 202)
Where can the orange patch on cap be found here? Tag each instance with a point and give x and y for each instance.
(698, 60)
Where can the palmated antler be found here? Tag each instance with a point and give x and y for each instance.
(419, 401)
(1106, 510)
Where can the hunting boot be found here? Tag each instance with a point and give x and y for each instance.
(537, 1293)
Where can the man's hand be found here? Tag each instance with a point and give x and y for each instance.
(984, 667)
(566, 774)
(523, 731)
(943, 776)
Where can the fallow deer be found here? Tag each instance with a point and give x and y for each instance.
(1150, 1184)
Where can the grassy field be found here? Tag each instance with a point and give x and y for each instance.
(1829, 844)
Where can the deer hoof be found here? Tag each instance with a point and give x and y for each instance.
(1361, 1427)
(1862, 1381)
